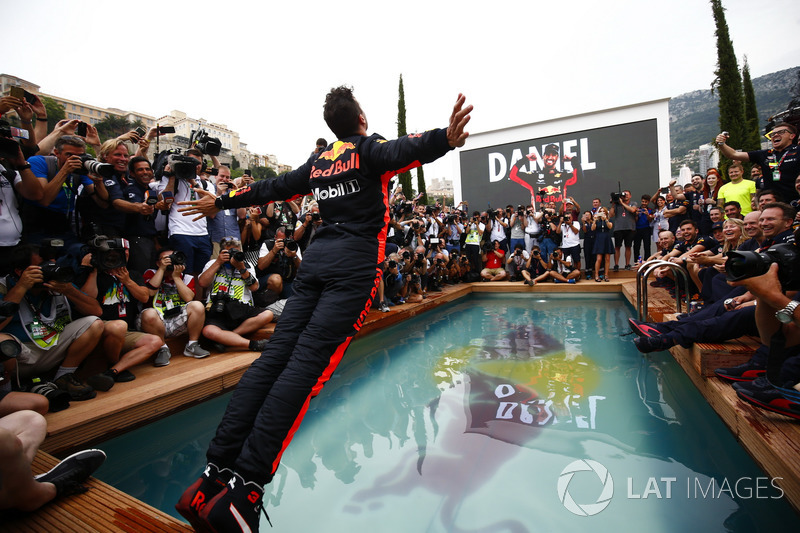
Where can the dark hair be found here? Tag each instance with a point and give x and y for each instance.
(764, 192)
(21, 256)
(788, 211)
(791, 127)
(341, 111)
(687, 222)
(322, 142)
(135, 160)
(733, 203)
(71, 140)
(195, 151)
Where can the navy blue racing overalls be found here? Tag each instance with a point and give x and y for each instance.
(333, 291)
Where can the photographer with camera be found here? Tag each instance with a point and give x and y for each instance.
(173, 311)
(141, 204)
(307, 226)
(230, 314)
(549, 221)
(16, 178)
(560, 269)
(496, 224)
(516, 262)
(570, 231)
(62, 176)
(452, 228)
(536, 268)
(779, 165)
(53, 338)
(494, 260)
(623, 216)
(179, 183)
(518, 221)
(119, 293)
(281, 214)
(281, 256)
(226, 223)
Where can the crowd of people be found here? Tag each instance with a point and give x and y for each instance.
(99, 261)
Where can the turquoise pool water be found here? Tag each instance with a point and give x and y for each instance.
(491, 414)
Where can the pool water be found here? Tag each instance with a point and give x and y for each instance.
(514, 413)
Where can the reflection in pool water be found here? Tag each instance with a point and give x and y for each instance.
(472, 417)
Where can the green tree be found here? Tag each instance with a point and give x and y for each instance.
(113, 126)
(752, 140)
(421, 185)
(728, 83)
(55, 112)
(234, 163)
(405, 177)
(263, 173)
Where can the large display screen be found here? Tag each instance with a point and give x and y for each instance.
(582, 164)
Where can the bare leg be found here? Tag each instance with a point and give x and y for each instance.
(21, 433)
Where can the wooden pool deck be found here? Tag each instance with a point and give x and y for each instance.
(772, 440)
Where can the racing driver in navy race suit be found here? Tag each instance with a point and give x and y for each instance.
(333, 293)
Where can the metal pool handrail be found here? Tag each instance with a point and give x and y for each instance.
(641, 285)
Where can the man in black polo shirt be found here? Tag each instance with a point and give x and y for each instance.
(780, 165)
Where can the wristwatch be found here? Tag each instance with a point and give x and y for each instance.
(785, 315)
(218, 203)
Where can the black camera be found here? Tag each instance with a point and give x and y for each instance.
(7, 309)
(315, 217)
(743, 265)
(517, 252)
(9, 349)
(9, 148)
(218, 302)
(237, 255)
(488, 247)
(176, 258)
(53, 272)
(406, 255)
(205, 143)
(392, 263)
(91, 165)
(616, 198)
(108, 254)
(183, 167)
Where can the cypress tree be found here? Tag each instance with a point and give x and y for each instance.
(405, 177)
(421, 185)
(728, 84)
(752, 139)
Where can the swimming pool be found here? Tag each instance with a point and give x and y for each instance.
(514, 413)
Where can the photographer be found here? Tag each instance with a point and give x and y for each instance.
(174, 310)
(643, 237)
(517, 262)
(496, 226)
(532, 230)
(535, 268)
(548, 221)
(281, 214)
(517, 222)
(561, 270)
(178, 184)
(307, 226)
(393, 283)
(570, 231)
(16, 178)
(61, 177)
(119, 293)
(227, 221)
(230, 313)
(452, 230)
(281, 256)
(141, 202)
(494, 258)
(588, 243)
(54, 339)
(623, 216)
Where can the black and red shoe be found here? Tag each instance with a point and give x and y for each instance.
(236, 509)
(771, 400)
(644, 329)
(745, 372)
(200, 493)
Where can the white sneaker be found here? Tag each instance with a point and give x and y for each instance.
(193, 349)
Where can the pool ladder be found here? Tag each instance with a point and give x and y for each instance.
(642, 274)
